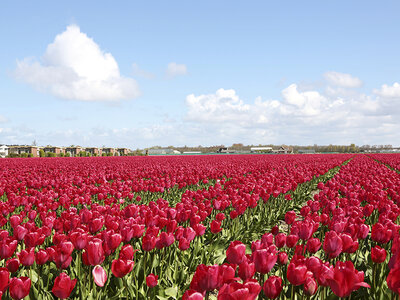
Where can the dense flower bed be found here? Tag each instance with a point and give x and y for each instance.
(106, 228)
(345, 241)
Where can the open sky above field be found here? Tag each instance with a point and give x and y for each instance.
(144, 73)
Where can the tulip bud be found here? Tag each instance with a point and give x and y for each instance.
(152, 280)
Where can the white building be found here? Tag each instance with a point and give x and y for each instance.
(3, 151)
(162, 151)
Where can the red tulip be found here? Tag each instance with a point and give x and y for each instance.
(313, 245)
(236, 291)
(27, 257)
(393, 280)
(99, 275)
(205, 278)
(79, 239)
(297, 274)
(62, 255)
(200, 229)
(346, 279)
(148, 242)
(4, 279)
(151, 280)
(7, 248)
(235, 254)
(19, 287)
(12, 265)
(41, 257)
(94, 252)
(282, 258)
(280, 240)
(333, 244)
(246, 269)
(310, 286)
(290, 216)
(192, 295)
(291, 240)
(220, 217)
(349, 245)
(380, 233)
(20, 232)
(305, 230)
(120, 267)
(215, 226)
(378, 254)
(127, 252)
(63, 286)
(165, 240)
(264, 260)
(273, 287)
(275, 230)
(184, 244)
(324, 273)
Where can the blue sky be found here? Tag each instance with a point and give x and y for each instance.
(144, 73)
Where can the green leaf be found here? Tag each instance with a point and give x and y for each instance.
(34, 276)
(172, 292)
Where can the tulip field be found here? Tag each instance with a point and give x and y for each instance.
(320, 226)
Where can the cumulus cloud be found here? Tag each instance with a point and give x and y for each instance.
(174, 69)
(74, 67)
(389, 91)
(222, 106)
(342, 80)
(333, 115)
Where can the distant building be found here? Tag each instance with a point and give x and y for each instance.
(108, 151)
(191, 152)
(261, 149)
(283, 150)
(93, 151)
(226, 150)
(163, 151)
(3, 151)
(122, 151)
(30, 150)
(73, 151)
(56, 150)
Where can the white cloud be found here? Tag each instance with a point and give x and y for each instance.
(222, 106)
(343, 80)
(3, 119)
(335, 115)
(74, 67)
(142, 73)
(389, 91)
(174, 69)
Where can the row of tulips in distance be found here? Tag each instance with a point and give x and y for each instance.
(336, 246)
(57, 226)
